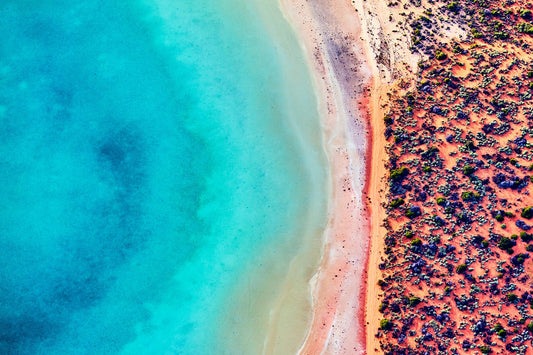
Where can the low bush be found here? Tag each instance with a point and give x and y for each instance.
(414, 301)
(468, 170)
(524, 28)
(505, 243)
(527, 212)
(397, 202)
(399, 174)
(440, 55)
(416, 242)
(461, 268)
(511, 297)
(530, 327)
(385, 324)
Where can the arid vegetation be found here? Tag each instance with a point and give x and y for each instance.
(457, 273)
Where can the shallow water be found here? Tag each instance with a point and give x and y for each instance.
(150, 168)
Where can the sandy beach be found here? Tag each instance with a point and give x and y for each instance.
(330, 36)
(367, 58)
(355, 66)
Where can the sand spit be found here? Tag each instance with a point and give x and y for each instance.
(330, 36)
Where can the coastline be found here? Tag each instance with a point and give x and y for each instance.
(391, 61)
(329, 35)
(272, 316)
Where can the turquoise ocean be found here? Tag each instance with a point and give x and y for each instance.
(162, 178)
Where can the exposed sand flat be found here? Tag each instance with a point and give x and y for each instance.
(330, 35)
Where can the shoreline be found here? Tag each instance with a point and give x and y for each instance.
(329, 36)
(280, 310)
(390, 59)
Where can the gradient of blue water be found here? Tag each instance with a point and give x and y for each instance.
(144, 159)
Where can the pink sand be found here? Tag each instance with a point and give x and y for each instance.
(329, 33)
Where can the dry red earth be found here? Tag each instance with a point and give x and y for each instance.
(456, 276)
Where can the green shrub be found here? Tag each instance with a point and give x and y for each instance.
(440, 55)
(530, 327)
(461, 268)
(514, 237)
(524, 28)
(505, 243)
(382, 307)
(527, 212)
(469, 196)
(397, 202)
(498, 327)
(388, 120)
(441, 201)
(476, 34)
(385, 324)
(501, 35)
(410, 213)
(499, 218)
(416, 242)
(485, 349)
(414, 301)
(453, 6)
(399, 174)
(409, 234)
(470, 146)
(430, 153)
(524, 13)
(468, 170)
(526, 237)
(511, 297)
(520, 259)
